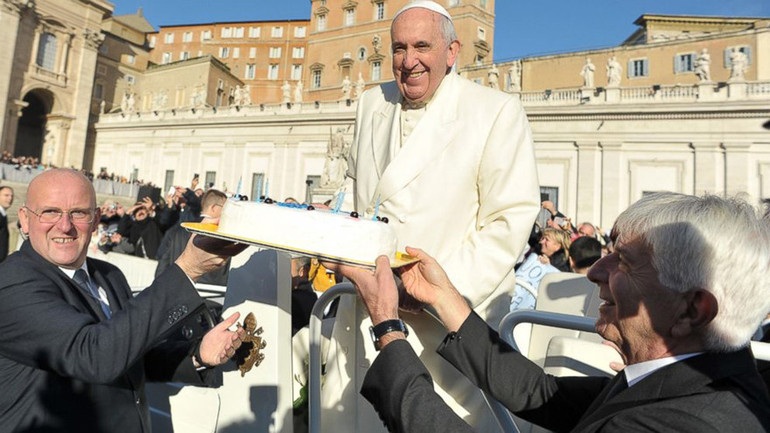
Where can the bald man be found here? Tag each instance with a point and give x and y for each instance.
(75, 346)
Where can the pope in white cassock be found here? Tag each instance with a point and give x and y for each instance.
(453, 168)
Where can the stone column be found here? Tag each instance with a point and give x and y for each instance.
(589, 182)
(9, 31)
(612, 95)
(613, 197)
(81, 107)
(705, 91)
(738, 171)
(736, 89)
(709, 168)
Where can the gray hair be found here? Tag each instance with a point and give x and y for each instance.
(447, 28)
(716, 244)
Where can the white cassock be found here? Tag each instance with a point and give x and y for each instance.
(462, 185)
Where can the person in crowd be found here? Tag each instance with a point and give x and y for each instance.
(6, 200)
(583, 253)
(176, 238)
(554, 248)
(302, 295)
(451, 165)
(557, 219)
(139, 231)
(587, 229)
(82, 365)
(681, 295)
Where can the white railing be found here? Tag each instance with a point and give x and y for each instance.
(637, 94)
(761, 90)
(678, 93)
(560, 97)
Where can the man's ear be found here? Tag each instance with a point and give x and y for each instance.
(97, 218)
(24, 219)
(454, 51)
(701, 308)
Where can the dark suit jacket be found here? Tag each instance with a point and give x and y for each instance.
(3, 237)
(706, 393)
(64, 367)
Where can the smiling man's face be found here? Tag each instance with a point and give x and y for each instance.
(63, 243)
(638, 312)
(421, 55)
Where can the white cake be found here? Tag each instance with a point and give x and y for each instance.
(314, 232)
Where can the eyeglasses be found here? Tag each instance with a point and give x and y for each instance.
(53, 215)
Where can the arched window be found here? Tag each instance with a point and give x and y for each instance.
(46, 51)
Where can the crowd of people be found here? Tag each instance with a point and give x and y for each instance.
(25, 162)
(30, 163)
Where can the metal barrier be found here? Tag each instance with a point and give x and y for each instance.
(578, 323)
(314, 372)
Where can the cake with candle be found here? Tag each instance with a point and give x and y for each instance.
(329, 234)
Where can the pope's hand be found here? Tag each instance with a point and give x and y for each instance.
(204, 254)
(377, 289)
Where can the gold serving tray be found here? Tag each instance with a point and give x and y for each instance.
(401, 259)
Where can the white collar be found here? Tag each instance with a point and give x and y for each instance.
(638, 371)
(3, 212)
(71, 272)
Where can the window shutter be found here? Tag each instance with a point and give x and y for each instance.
(630, 69)
(728, 62)
(646, 67)
(677, 64)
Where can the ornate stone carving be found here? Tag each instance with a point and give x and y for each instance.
(588, 73)
(198, 97)
(336, 163)
(738, 68)
(93, 39)
(703, 66)
(376, 43)
(298, 92)
(514, 77)
(18, 6)
(160, 101)
(241, 96)
(614, 71)
(493, 77)
(285, 92)
(347, 86)
(360, 84)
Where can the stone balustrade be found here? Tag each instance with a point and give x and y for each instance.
(679, 93)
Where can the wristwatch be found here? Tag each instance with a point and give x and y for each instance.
(379, 330)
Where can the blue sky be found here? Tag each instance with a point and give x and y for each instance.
(522, 28)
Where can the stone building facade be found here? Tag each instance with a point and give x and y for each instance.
(50, 49)
(599, 148)
(263, 54)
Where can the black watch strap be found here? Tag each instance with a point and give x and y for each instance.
(197, 356)
(379, 330)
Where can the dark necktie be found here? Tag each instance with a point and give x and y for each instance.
(82, 280)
